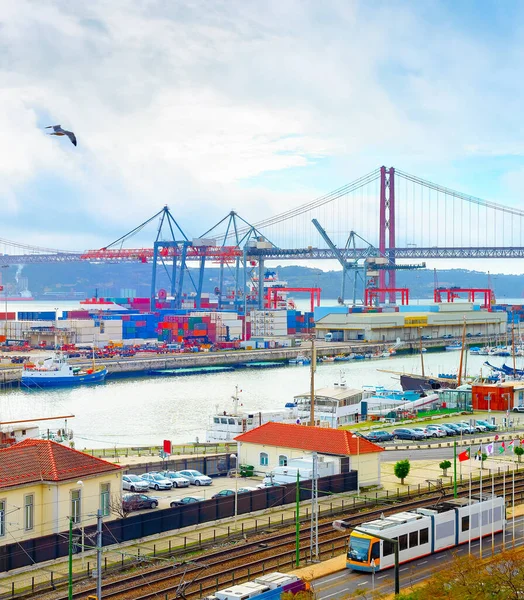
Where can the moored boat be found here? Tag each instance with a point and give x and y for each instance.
(56, 371)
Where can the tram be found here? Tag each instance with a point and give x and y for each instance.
(265, 587)
(424, 531)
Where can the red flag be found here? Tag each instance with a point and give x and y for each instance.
(464, 455)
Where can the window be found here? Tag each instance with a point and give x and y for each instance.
(413, 539)
(424, 536)
(465, 523)
(75, 506)
(387, 548)
(403, 542)
(375, 551)
(105, 494)
(264, 459)
(2, 518)
(223, 421)
(29, 512)
(216, 420)
(231, 421)
(282, 460)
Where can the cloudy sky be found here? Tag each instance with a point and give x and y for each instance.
(256, 106)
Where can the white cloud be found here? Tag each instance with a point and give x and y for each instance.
(185, 103)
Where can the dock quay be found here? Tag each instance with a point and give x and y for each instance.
(145, 365)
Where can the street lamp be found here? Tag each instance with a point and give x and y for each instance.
(81, 484)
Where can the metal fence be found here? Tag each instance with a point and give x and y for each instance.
(51, 547)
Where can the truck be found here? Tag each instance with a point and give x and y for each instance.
(304, 468)
(334, 336)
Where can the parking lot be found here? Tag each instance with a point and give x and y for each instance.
(165, 497)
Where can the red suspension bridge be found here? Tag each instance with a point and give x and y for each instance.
(403, 216)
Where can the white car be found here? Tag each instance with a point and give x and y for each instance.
(267, 484)
(247, 488)
(196, 477)
(436, 431)
(157, 481)
(134, 483)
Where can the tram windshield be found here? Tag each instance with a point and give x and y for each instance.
(358, 549)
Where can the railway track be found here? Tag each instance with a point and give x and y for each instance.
(247, 559)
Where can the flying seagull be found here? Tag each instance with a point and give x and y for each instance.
(57, 129)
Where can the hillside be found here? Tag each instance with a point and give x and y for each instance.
(85, 279)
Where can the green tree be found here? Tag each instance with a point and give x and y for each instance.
(519, 451)
(445, 465)
(402, 468)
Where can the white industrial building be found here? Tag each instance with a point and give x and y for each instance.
(440, 320)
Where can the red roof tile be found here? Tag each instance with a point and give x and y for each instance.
(43, 460)
(316, 439)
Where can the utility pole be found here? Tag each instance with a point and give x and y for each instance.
(99, 554)
(312, 383)
(314, 512)
(70, 580)
(297, 522)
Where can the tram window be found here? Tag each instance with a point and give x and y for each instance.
(465, 523)
(387, 548)
(375, 550)
(424, 536)
(403, 542)
(413, 539)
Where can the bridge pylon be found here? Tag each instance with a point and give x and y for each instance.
(387, 278)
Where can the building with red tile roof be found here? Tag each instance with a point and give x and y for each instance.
(43, 484)
(275, 445)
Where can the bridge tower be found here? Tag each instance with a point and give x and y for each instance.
(387, 279)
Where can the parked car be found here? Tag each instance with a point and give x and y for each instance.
(518, 409)
(448, 336)
(480, 428)
(196, 477)
(176, 479)
(425, 337)
(263, 486)
(407, 434)
(449, 430)
(487, 425)
(223, 494)
(437, 431)
(186, 500)
(425, 432)
(245, 489)
(466, 428)
(379, 436)
(138, 501)
(456, 428)
(134, 483)
(469, 427)
(157, 481)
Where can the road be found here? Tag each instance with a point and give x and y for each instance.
(339, 585)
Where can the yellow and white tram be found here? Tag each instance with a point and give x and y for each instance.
(424, 531)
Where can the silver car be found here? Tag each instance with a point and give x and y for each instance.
(436, 431)
(134, 483)
(196, 477)
(176, 479)
(157, 481)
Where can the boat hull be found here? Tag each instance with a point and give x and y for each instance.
(62, 381)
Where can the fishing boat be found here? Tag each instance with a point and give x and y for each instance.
(55, 371)
(300, 360)
(454, 346)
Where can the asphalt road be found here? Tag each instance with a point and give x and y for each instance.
(339, 585)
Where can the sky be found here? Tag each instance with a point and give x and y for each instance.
(211, 106)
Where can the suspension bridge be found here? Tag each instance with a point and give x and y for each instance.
(403, 216)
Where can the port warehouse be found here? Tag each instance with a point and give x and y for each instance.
(166, 325)
(117, 531)
(410, 322)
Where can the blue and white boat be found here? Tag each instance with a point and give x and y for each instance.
(55, 371)
(454, 346)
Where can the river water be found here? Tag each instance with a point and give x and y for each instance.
(147, 410)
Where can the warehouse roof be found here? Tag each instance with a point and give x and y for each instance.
(316, 439)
